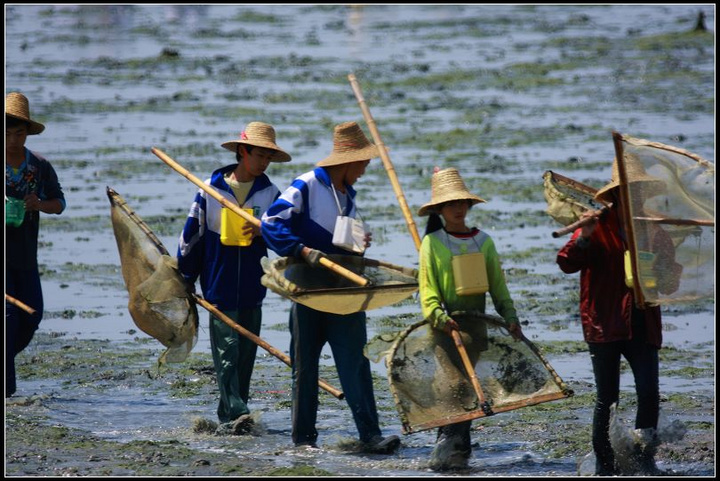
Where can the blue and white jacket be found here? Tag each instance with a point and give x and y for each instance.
(229, 275)
(306, 214)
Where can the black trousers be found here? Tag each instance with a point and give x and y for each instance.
(643, 360)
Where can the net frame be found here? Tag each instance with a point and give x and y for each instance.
(636, 221)
(324, 290)
(402, 399)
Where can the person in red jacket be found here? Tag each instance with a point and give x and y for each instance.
(613, 325)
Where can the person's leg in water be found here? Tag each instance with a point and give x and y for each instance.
(606, 368)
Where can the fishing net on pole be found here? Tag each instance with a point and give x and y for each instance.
(680, 202)
(431, 387)
(567, 198)
(324, 290)
(159, 303)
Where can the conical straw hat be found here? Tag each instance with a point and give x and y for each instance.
(635, 174)
(259, 134)
(447, 185)
(349, 145)
(17, 106)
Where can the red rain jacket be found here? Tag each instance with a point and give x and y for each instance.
(605, 301)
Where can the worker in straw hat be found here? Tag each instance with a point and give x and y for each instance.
(612, 322)
(305, 216)
(31, 187)
(221, 250)
(442, 290)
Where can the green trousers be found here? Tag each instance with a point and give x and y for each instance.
(234, 357)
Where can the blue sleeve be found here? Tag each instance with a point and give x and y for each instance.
(277, 230)
(190, 246)
(280, 224)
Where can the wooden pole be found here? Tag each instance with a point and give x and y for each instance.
(412, 227)
(324, 261)
(626, 216)
(259, 341)
(386, 161)
(580, 223)
(19, 304)
(485, 406)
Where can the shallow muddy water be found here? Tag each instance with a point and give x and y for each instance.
(501, 92)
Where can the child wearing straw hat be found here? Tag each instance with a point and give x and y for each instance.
(229, 267)
(303, 217)
(448, 236)
(31, 187)
(613, 325)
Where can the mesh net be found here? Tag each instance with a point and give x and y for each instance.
(324, 290)
(158, 300)
(679, 206)
(431, 385)
(566, 198)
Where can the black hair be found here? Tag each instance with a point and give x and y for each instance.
(248, 149)
(434, 223)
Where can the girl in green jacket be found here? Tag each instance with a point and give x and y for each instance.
(441, 294)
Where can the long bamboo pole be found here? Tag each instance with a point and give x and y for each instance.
(19, 304)
(626, 216)
(260, 342)
(386, 160)
(324, 261)
(484, 405)
(411, 226)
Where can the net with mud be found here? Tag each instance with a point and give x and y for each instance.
(432, 388)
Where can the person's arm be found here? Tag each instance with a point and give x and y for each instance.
(49, 199)
(277, 222)
(431, 299)
(49, 206)
(574, 255)
(190, 251)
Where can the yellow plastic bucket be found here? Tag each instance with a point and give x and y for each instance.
(470, 274)
(231, 228)
(646, 260)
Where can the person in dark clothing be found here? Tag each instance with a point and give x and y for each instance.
(31, 187)
(614, 326)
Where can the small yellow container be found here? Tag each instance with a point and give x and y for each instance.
(231, 228)
(470, 274)
(646, 260)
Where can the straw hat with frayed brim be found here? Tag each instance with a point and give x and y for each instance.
(447, 185)
(259, 134)
(652, 186)
(18, 107)
(349, 145)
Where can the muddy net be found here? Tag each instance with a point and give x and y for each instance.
(324, 290)
(567, 198)
(158, 300)
(432, 387)
(680, 204)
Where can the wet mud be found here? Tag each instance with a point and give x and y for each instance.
(502, 92)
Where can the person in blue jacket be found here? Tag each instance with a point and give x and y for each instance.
(303, 219)
(230, 274)
(32, 185)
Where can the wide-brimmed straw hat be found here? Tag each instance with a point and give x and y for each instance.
(349, 145)
(652, 186)
(18, 107)
(447, 185)
(259, 134)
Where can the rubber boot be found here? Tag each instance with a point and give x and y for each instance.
(646, 444)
